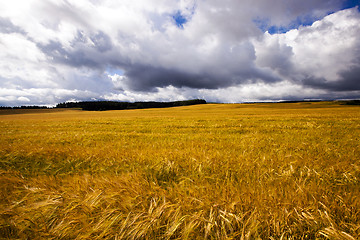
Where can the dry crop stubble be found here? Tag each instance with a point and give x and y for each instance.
(215, 171)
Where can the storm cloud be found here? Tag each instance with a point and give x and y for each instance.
(228, 51)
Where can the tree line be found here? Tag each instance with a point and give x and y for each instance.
(113, 105)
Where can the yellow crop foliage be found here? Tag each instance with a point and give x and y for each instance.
(214, 171)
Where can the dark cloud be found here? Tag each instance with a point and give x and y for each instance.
(276, 56)
(84, 52)
(6, 26)
(102, 42)
(349, 81)
(75, 58)
(148, 78)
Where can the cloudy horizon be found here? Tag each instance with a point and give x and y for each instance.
(167, 50)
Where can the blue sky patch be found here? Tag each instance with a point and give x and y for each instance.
(300, 21)
(350, 4)
(264, 24)
(179, 19)
(112, 71)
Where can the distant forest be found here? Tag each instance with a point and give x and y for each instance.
(113, 105)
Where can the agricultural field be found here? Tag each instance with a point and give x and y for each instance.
(214, 171)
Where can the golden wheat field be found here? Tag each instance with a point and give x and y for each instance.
(214, 171)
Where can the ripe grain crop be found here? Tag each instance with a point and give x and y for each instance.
(214, 171)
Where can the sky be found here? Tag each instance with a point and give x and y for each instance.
(229, 51)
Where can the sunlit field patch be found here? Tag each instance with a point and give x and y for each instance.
(215, 171)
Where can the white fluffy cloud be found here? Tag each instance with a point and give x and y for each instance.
(320, 55)
(53, 51)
